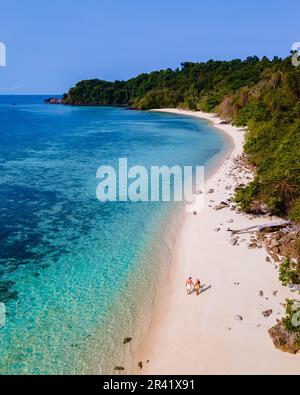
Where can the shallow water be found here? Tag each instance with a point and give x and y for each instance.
(75, 273)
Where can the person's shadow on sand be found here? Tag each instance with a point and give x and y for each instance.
(205, 288)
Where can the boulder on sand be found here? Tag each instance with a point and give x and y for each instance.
(284, 340)
(221, 206)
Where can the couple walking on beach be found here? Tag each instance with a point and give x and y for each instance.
(190, 286)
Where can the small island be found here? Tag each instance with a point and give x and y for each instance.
(53, 100)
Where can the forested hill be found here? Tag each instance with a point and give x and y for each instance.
(262, 94)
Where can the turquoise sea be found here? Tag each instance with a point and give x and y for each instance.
(78, 276)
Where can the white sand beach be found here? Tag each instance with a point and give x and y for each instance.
(222, 331)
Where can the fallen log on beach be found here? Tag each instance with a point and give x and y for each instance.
(271, 227)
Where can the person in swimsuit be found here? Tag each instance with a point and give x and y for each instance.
(189, 285)
(197, 287)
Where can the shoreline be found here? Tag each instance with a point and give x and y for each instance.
(203, 335)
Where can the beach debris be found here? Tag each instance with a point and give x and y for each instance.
(211, 191)
(228, 328)
(238, 318)
(230, 221)
(236, 283)
(275, 293)
(233, 241)
(261, 294)
(119, 368)
(271, 227)
(195, 212)
(221, 206)
(258, 325)
(217, 229)
(147, 361)
(140, 365)
(267, 313)
(127, 340)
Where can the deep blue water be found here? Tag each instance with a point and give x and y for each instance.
(74, 271)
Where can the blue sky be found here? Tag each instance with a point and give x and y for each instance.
(53, 44)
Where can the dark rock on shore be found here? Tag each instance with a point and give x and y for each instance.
(252, 246)
(53, 100)
(281, 243)
(267, 313)
(238, 318)
(119, 368)
(221, 206)
(284, 340)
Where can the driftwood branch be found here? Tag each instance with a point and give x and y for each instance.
(271, 227)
